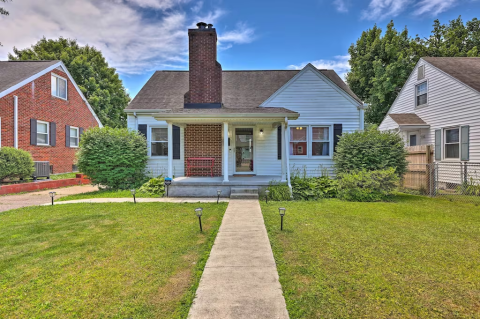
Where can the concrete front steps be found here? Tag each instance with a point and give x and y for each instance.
(244, 193)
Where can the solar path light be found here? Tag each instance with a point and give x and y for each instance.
(198, 212)
(282, 211)
(218, 195)
(266, 195)
(52, 195)
(133, 194)
(167, 182)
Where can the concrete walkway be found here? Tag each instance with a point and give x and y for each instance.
(240, 278)
(8, 202)
(142, 200)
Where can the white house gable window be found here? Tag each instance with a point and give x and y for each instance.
(59, 87)
(74, 136)
(452, 143)
(320, 141)
(421, 93)
(159, 142)
(42, 133)
(298, 140)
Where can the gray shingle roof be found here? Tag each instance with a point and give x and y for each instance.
(240, 89)
(466, 70)
(407, 119)
(14, 72)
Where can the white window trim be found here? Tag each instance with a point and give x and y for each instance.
(48, 133)
(420, 82)
(66, 87)
(444, 142)
(310, 140)
(150, 141)
(329, 141)
(78, 136)
(307, 128)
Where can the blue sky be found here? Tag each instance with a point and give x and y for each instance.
(140, 36)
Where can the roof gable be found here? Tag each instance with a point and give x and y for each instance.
(17, 74)
(330, 77)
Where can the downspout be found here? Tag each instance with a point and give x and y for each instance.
(15, 121)
(362, 116)
(287, 142)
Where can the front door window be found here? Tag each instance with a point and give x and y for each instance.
(244, 150)
(413, 140)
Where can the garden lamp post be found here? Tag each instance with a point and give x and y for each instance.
(52, 195)
(218, 195)
(133, 194)
(168, 182)
(198, 212)
(266, 195)
(282, 211)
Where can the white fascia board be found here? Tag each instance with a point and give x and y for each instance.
(309, 66)
(45, 71)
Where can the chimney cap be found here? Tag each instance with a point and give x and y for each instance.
(201, 25)
(210, 25)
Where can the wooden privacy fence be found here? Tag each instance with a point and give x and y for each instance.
(417, 176)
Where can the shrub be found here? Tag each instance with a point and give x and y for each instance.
(313, 188)
(15, 163)
(278, 192)
(154, 186)
(367, 186)
(370, 150)
(113, 157)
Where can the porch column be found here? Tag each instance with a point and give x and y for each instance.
(287, 159)
(284, 154)
(225, 151)
(170, 150)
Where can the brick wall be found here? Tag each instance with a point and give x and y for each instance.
(205, 76)
(35, 101)
(204, 140)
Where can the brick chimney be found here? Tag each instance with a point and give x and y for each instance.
(205, 77)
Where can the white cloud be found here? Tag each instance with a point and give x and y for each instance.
(383, 9)
(340, 5)
(240, 35)
(339, 64)
(130, 43)
(434, 7)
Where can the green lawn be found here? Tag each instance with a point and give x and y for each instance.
(103, 260)
(106, 194)
(413, 258)
(63, 176)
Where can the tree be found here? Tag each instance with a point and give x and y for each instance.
(3, 12)
(99, 83)
(380, 64)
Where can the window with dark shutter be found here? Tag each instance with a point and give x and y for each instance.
(33, 132)
(53, 134)
(176, 142)
(67, 135)
(337, 133)
(279, 142)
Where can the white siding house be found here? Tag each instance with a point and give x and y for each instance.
(440, 105)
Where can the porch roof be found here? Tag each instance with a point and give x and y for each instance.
(408, 119)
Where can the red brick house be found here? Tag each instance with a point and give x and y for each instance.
(43, 111)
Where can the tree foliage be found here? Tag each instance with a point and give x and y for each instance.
(370, 150)
(113, 157)
(2, 10)
(99, 83)
(381, 62)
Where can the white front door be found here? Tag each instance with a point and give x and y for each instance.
(244, 150)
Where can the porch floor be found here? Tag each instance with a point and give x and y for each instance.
(262, 180)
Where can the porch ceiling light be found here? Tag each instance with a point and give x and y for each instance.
(261, 131)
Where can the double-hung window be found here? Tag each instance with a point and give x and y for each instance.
(298, 140)
(320, 141)
(421, 92)
(74, 136)
(452, 143)
(42, 133)
(59, 87)
(159, 141)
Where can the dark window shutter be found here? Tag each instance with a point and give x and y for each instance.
(33, 132)
(337, 133)
(80, 132)
(67, 135)
(142, 128)
(279, 142)
(53, 134)
(464, 147)
(176, 142)
(438, 145)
